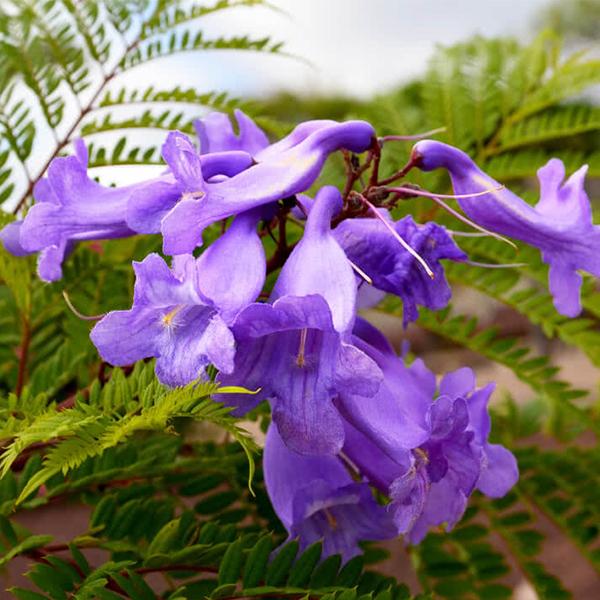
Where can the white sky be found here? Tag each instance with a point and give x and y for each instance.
(357, 47)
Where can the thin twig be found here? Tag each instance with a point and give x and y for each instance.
(23, 356)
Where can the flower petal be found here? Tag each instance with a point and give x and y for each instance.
(184, 161)
(232, 270)
(216, 134)
(123, 337)
(500, 472)
(458, 384)
(318, 265)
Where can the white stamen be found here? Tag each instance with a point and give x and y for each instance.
(361, 272)
(400, 239)
(494, 265)
(468, 221)
(418, 192)
(300, 360)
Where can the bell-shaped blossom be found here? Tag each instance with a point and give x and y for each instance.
(297, 350)
(72, 207)
(215, 132)
(69, 207)
(185, 176)
(429, 476)
(560, 224)
(317, 499)
(370, 245)
(282, 171)
(182, 315)
(169, 320)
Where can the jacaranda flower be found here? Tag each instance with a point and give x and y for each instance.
(560, 224)
(169, 320)
(297, 350)
(280, 173)
(316, 499)
(69, 207)
(369, 244)
(429, 480)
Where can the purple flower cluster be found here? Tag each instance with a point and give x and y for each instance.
(349, 415)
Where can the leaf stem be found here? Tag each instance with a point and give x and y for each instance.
(23, 355)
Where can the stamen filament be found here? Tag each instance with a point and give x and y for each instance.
(473, 234)
(468, 221)
(400, 239)
(300, 360)
(418, 192)
(361, 273)
(408, 138)
(77, 313)
(474, 263)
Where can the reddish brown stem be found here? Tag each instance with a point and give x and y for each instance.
(23, 356)
(412, 162)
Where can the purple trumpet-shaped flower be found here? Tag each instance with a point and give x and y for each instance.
(169, 320)
(69, 207)
(317, 499)
(187, 173)
(429, 480)
(72, 207)
(297, 349)
(216, 134)
(560, 224)
(371, 246)
(283, 169)
(182, 316)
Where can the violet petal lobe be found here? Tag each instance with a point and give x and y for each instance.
(499, 470)
(216, 134)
